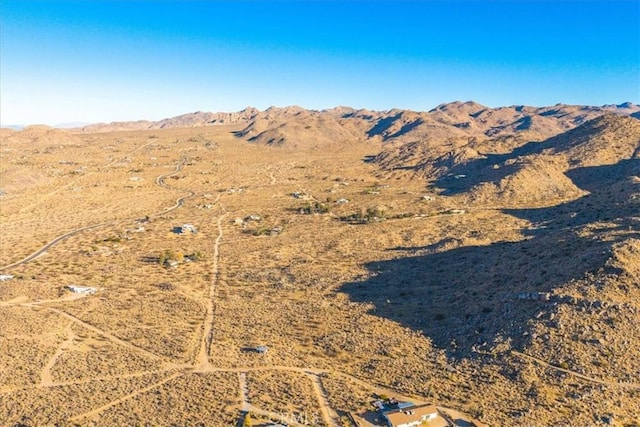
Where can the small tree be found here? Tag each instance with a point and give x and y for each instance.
(315, 207)
(375, 212)
(164, 257)
(169, 255)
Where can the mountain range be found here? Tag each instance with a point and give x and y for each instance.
(491, 154)
(277, 125)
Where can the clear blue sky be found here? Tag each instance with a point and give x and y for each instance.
(90, 61)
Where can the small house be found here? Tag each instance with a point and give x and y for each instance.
(262, 349)
(170, 263)
(83, 290)
(414, 416)
(276, 231)
(185, 228)
(5, 277)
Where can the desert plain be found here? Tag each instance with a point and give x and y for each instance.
(483, 260)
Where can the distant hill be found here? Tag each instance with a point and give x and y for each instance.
(296, 127)
(13, 127)
(453, 123)
(196, 119)
(281, 126)
(531, 171)
(493, 132)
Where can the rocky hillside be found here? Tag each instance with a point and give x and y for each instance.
(533, 172)
(409, 133)
(279, 126)
(491, 131)
(196, 119)
(556, 311)
(297, 127)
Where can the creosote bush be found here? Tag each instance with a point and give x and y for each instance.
(315, 207)
(169, 255)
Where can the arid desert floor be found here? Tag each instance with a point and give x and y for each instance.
(359, 283)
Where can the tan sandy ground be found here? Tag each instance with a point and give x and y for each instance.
(308, 286)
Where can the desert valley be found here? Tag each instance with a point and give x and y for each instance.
(302, 267)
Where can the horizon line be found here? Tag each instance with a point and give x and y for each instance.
(82, 124)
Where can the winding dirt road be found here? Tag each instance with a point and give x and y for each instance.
(52, 243)
(46, 379)
(159, 181)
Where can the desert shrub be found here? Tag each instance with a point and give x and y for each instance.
(261, 231)
(315, 207)
(196, 256)
(372, 190)
(169, 255)
(371, 214)
(375, 212)
(198, 138)
(403, 215)
(475, 411)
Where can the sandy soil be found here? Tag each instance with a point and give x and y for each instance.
(381, 291)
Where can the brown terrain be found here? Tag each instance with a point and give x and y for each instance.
(484, 260)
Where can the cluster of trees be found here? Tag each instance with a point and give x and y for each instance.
(315, 207)
(370, 214)
(169, 255)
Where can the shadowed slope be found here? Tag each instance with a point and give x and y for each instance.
(466, 299)
(535, 172)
